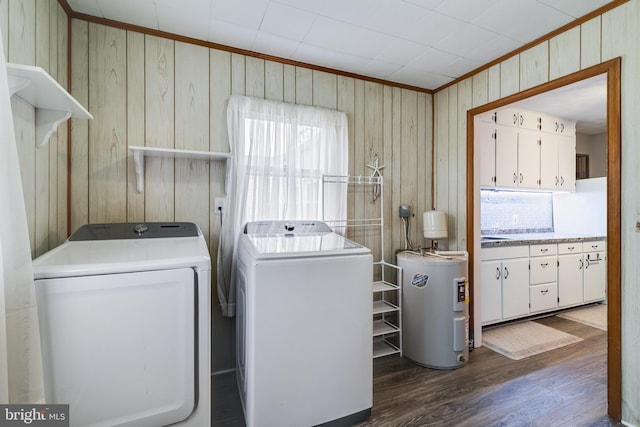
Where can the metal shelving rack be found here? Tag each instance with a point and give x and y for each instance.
(387, 314)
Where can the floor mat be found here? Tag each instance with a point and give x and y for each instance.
(594, 316)
(520, 340)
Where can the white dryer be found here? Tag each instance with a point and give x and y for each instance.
(124, 315)
(304, 338)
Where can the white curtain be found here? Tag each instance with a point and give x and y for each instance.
(21, 379)
(279, 153)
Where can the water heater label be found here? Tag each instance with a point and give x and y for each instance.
(420, 280)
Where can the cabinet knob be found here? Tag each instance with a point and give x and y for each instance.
(581, 264)
(515, 119)
(506, 273)
(515, 178)
(557, 180)
(497, 273)
(561, 180)
(521, 178)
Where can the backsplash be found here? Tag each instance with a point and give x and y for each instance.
(510, 212)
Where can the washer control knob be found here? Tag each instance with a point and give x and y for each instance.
(140, 228)
(289, 227)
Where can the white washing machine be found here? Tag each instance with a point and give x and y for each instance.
(304, 337)
(124, 315)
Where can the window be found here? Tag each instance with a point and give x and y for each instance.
(279, 153)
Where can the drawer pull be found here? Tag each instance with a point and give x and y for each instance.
(544, 291)
(543, 250)
(545, 265)
(497, 273)
(571, 248)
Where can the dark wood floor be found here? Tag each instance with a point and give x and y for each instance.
(563, 387)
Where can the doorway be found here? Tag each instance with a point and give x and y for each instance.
(612, 71)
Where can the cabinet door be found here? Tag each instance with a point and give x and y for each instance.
(515, 288)
(595, 276)
(570, 269)
(548, 162)
(506, 157)
(528, 120)
(491, 290)
(544, 269)
(547, 123)
(507, 117)
(567, 162)
(485, 139)
(528, 159)
(543, 297)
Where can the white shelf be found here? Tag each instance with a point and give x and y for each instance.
(383, 347)
(382, 327)
(387, 318)
(382, 306)
(139, 153)
(52, 102)
(382, 286)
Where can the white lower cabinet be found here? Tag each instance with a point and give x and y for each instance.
(570, 267)
(543, 297)
(515, 288)
(543, 277)
(595, 276)
(504, 283)
(520, 280)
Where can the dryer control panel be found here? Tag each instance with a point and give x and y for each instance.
(124, 230)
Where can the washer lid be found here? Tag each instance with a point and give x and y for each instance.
(303, 245)
(83, 258)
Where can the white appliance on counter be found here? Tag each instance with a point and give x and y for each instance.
(124, 314)
(304, 344)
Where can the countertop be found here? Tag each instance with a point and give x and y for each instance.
(533, 239)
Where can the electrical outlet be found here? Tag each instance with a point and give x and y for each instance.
(218, 205)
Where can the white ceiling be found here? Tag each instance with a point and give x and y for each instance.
(421, 43)
(584, 101)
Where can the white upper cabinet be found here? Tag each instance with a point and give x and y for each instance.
(528, 159)
(558, 162)
(519, 118)
(550, 124)
(506, 157)
(515, 151)
(566, 162)
(485, 136)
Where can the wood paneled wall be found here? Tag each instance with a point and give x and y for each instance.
(35, 33)
(612, 34)
(146, 90)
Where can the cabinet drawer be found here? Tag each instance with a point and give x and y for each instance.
(543, 297)
(543, 250)
(569, 248)
(504, 252)
(596, 246)
(543, 270)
